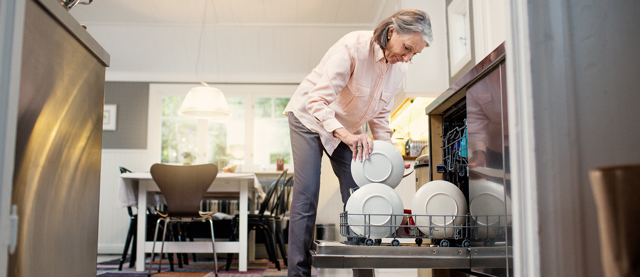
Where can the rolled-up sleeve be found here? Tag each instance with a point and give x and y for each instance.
(335, 77)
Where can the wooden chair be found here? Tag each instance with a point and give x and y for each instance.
(183, 187)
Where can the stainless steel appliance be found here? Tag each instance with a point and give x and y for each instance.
(56, 179)
(467, 143)
(421, 169)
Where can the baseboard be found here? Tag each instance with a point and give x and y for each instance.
(104, 249)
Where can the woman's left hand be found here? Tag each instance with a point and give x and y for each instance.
(360, 145)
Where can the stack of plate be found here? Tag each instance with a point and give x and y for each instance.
(439, 208)
(375, 210)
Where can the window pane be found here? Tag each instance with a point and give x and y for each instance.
(236, 106)
(227, 136)
(271, 141)
(279, 105)
(262, 108)
(170, 105)
(180, 134)
(179, 139)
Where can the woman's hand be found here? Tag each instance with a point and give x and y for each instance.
(361, 145)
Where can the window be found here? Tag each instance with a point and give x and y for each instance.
(225, 137)
(270, 131)
(256, 134)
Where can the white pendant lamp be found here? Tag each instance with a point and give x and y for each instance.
(204, 102)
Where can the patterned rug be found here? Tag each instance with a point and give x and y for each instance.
(203, 267)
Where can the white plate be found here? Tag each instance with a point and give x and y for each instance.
(487, 207)
(439, 204)
(371, 211)
(384, 165)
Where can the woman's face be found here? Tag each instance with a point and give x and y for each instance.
(401, 48)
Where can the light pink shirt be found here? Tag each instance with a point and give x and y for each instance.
(351, 86)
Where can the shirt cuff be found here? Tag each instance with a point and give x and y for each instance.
(478, 145)
(331, 125)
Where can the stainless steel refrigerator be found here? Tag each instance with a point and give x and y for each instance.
(56, 182)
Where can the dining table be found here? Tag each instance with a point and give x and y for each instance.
(138, 189)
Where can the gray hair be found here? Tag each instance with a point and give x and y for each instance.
(405, 22)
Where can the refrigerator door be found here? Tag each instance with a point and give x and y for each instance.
(56, 182)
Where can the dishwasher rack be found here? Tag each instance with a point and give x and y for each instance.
(455, 155)
(463, 231)
(467, 247)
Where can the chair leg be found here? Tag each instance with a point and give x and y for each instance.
(134, 246)
(234, 237)
(229, 260)
(171, 263)
(271, 227)
(280, 241)
(270, 245)
(213, 240)
(164, 235)
(182, 235)
(190, 232)
(153, 254)
(175, 236)
(127, 242)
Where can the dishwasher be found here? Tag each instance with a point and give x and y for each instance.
(468, 147)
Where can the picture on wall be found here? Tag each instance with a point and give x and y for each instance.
(109, 117)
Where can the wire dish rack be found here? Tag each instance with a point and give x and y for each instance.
(461, 230)
(454, 152)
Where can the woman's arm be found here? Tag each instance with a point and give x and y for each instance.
(335, 77)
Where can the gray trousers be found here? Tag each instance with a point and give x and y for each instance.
(307, 157)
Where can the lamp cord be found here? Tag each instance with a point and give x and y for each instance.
(204, 16)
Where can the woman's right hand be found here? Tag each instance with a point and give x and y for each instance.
(360, 145)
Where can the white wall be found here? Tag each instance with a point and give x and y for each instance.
(114, 222)
(428, 72)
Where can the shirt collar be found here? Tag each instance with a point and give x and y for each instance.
(379, 54)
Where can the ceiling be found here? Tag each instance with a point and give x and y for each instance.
(227, 12)
(262, 41)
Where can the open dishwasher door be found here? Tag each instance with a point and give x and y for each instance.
(331, 254)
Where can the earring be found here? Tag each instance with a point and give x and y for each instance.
(388, 38)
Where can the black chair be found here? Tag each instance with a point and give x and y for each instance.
(279, 214)
(260, 222)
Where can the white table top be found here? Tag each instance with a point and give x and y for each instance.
(128, 187)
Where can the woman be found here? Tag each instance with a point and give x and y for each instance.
(354, 84)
